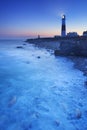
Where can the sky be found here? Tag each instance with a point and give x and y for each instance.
(30, 18)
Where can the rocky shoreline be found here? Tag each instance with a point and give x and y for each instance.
(45, 43)
(74, 48)
(80, 63)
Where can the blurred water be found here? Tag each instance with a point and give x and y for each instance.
(39, 91)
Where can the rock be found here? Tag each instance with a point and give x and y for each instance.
(24, 44)
(78, 114)
(27, 62)
(30, 126)
(56, 52)
(86, 113)
(38, 57)
(19, 47)
(85, 74)
(37, 115)
(27, 127)
(71, 116)
(12, 101)
(80, 104)
(57, 123)
(69, 48)
(86, 83)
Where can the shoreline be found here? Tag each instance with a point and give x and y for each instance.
(80, 61)
(52, 45)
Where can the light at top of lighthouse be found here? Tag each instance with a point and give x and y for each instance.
(63, 16)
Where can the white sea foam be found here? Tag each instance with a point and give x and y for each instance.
(45, 93)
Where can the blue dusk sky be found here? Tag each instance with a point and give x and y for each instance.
(28, 18)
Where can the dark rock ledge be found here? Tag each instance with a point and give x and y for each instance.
(72, 48)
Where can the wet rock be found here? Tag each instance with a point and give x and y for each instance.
(85, 113)
(70, 116)
(42, 108)
(30, 126)
(48, 50)
(54, 87)
(12, 101)
(80, 104)
(75, 115)
(37, 115)
(57, 122)
(27, 127)
(24, 44)
(85, 73)
(19, 47)
(0, 91)
(56, 52)
(78, 114)
(27, 62)
(86, 83)
(38, 57)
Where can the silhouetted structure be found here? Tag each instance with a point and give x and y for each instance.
(38, 36)
(63, 29)
(72, 34)
(85, 33)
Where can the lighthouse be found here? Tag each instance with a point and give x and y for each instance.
(63, 28)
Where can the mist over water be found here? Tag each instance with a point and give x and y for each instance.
(39, 91)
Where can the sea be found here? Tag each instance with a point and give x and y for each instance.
(39, 91)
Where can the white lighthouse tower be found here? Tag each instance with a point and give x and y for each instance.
(63, 28)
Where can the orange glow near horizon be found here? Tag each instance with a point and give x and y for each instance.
(28, 34)
(44, 33)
